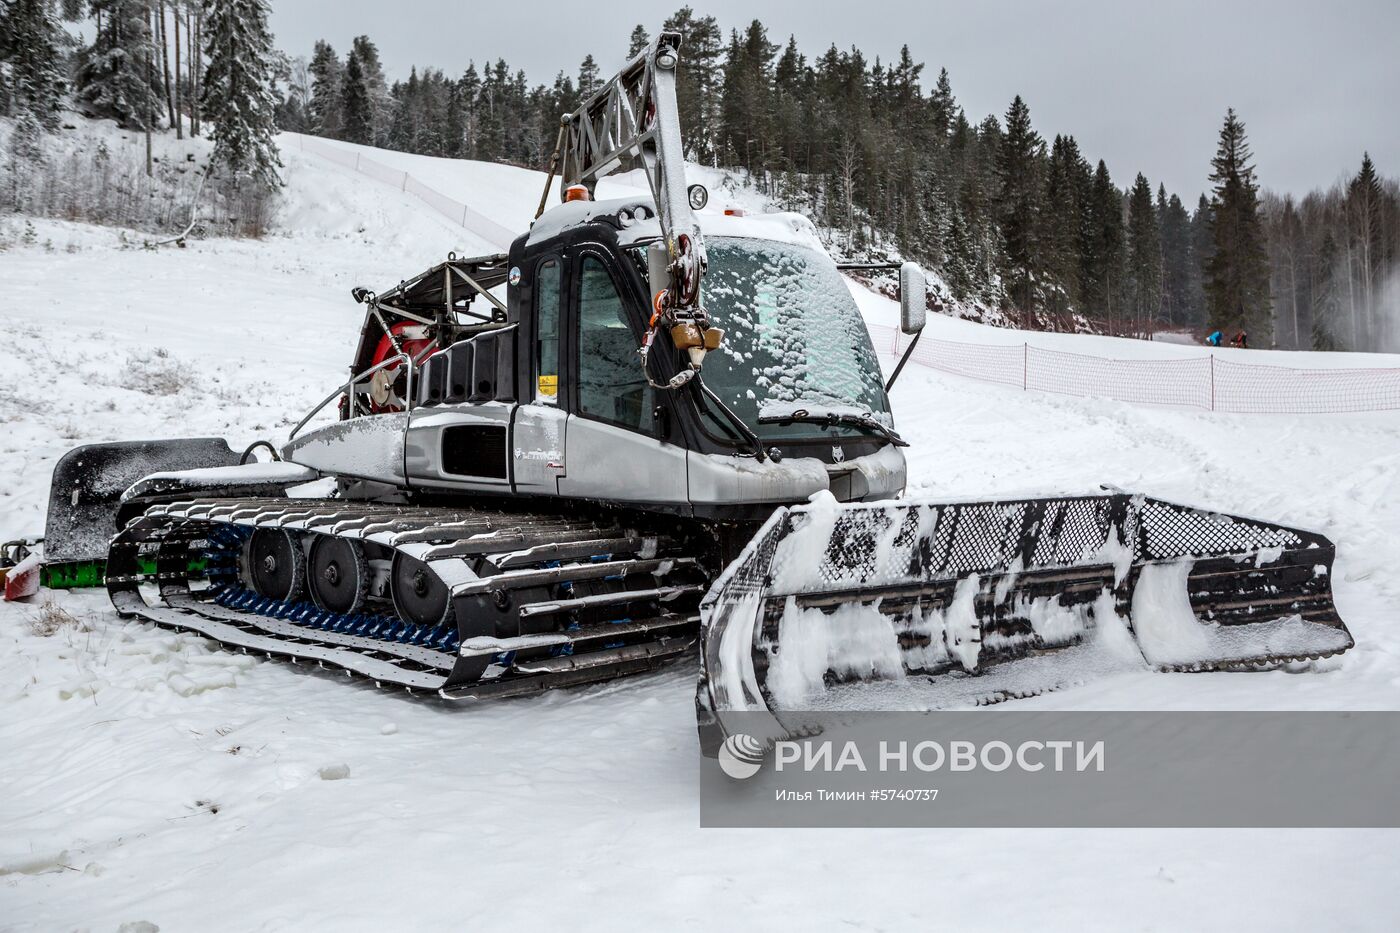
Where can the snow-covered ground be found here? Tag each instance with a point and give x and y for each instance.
(146, 776)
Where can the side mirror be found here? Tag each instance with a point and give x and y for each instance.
(913, 297)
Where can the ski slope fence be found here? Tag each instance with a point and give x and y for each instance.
(475, 222)
(1209, 383)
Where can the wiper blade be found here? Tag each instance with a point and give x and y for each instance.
(831, 418)
(736, 423)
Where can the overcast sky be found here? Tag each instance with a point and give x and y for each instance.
(1142, 85)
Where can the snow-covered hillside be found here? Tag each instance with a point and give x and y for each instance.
(145, 776)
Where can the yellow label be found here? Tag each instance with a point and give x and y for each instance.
(548, 385)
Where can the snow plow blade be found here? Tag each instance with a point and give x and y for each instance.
(85, 498)
(927, 606)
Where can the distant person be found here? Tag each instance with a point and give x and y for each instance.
(1215, 338)
(1241, 340)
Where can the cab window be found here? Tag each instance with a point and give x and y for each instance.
(548, 280)
(611, 386)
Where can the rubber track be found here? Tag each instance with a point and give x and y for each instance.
(455, 542)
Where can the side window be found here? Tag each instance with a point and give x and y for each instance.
(547, 295)
(611, 386)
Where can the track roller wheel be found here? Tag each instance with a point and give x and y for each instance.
(275, 564)
(420, 596)
(337, 573)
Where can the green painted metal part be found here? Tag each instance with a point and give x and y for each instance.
(84, 574)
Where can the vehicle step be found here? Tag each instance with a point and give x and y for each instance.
(485, 645)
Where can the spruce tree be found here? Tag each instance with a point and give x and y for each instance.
(115, 77)
(790, 133)
(1103, 255)
(381, 103)
(637, 41)
(698, 81)
(30, 65)
(469, 91)
(326, 106)
(237, 96)
(1018, 204)
(589, 79)
(1237, 274)
(357, 117)
(943, 104)
(1202, 248)
(1067, 182)
(491, 142)
(744, 111)
(404, 127)
(1365, 209)
(959, 257)
(1144, 253)
(1326, 300)
(1175, 227)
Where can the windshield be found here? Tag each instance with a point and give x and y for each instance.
(793, 339)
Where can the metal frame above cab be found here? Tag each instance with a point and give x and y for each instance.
(450, 286)
(442, 298)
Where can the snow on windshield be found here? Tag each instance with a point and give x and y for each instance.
(793, 338)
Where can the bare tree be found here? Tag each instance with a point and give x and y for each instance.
(179, 120)
(164, 52)
(193, 18)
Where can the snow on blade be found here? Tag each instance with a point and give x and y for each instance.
(1172, 636)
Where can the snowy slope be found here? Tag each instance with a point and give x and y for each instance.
(145, 776)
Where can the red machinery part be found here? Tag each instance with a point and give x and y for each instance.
(413, 346)
(22, 580)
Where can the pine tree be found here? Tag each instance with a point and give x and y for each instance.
(943, 104)
(588, 77)
(1067, 182)
(637, 41)
(292, 112)
(357, 115)
(1104, 251)
(491, 142)
(1237, 275)
(1018, 204)
(744, 102)
(1144, 253)
(959, 257)
(698, 82)
(469, 90)
(381, 102)
(1175, 226)
(789, 130)
(115, 74)
(30, 65)
(1366, 242)
(1202, 248)
(1326, 303)
(327, 107)
(405, 122)
(237, 93)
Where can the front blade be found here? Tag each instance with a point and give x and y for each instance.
(929, 605)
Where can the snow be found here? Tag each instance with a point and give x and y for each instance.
(882, 311)
(147, 777)
(271, 472)
(854, 642)
(1170, 634)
